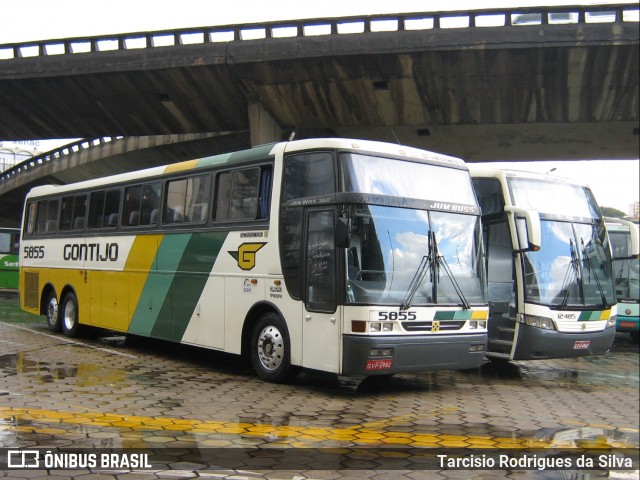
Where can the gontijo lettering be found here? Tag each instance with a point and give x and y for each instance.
(93, 252)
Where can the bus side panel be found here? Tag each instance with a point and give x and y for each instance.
(170, 298)
(119, 292)
(189, 286)
(109, 305)
(9, 271)
(152, 316)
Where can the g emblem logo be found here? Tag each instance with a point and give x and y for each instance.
(246, 255)
(435, 326)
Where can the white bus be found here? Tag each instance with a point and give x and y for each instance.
(626, 273)
(549, 271)
(347, 256)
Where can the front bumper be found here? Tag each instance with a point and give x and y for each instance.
(412, 353)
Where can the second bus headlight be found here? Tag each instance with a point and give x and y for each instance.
(536, 321)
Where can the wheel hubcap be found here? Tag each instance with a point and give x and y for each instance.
(270, 348)
(52, 311)
(69, 315)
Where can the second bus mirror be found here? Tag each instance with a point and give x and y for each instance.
(528, 229)
(342, 233)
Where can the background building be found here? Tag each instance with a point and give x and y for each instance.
(14, 152)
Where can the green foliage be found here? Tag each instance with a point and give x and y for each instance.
(612, 212)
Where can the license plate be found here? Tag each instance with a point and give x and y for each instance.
(378, 364)
(627, 324)
(581, 344)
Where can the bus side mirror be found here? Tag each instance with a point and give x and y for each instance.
(528, 229)
(342, 234)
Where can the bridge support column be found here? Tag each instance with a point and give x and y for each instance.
(262, 127)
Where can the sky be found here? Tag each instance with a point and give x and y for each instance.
(615, 183)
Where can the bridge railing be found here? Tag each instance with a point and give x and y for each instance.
(520, 17)
(54, 155)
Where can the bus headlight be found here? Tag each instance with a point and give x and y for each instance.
(612, 321)
(536, 321)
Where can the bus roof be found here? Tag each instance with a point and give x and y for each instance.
(259, 152)
(503, 173)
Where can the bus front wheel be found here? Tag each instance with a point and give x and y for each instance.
(53, 317)
(69, 315)
(270, 354)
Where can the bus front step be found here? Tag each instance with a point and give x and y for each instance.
(505, 343)
(498, 355)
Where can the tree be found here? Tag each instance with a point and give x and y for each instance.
(612, 212)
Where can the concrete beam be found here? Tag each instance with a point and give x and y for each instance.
(262, 127)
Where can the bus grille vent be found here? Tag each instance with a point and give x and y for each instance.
(31, 282)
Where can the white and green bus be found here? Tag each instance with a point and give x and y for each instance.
(626, 273)
(549, 270)
(346, 256)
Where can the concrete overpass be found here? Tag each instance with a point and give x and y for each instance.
(506, 85)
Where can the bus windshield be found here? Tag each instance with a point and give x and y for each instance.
(554, 198)
(399, 178)
(388, 245)
(573, 267)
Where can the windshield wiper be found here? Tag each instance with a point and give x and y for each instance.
(418, 277)
(432, 261)
(573, 267)
(427, 263)
(587, 261)
(441, 261)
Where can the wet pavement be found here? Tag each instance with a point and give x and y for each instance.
(202, 413)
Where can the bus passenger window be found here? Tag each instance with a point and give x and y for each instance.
(238, 192)
(73, 211)
(47, 216)
(104, 209)
(140, 201)
(188, 200)
(31, 218)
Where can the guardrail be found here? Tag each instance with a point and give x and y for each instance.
(32, 163)
(521, 17)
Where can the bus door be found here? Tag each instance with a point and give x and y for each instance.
(321, 328)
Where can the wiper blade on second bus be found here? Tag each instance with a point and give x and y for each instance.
(587, 261)
(574, 268)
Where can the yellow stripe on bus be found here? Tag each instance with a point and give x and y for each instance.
(182, 166)
(139, 263)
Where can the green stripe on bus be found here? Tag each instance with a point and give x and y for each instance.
(158, 285)
(589, 316)
(453, 315)
(195, 266)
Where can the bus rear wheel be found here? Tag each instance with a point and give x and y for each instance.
(69, 315)
(270, 350)
(52, 312)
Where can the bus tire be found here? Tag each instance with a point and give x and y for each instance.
(270, 349)
(635, 336)
(52, 312)
(69, 315)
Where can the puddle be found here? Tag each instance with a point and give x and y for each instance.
(48, 372)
